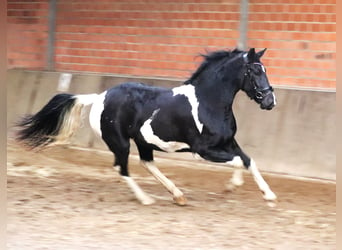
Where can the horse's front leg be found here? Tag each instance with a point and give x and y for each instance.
(262, 184)
(242, 160)
(237, 177)
(234, 156)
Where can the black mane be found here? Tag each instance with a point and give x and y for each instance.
(210, 58)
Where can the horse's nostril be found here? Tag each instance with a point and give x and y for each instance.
(271, 106)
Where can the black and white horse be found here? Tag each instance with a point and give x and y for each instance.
(195, 117)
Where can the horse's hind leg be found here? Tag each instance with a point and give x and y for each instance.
(120, 148)
(146, 156)
(178, 195)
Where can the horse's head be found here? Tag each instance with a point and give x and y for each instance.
(255, 82)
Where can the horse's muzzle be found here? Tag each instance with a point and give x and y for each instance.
(268, 102)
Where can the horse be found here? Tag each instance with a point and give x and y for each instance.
(195, 117)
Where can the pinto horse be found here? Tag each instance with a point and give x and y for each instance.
(195, 117)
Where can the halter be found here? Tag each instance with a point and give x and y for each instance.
(260, 93)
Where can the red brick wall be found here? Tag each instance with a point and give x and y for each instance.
(27, 33)
(146, 38)
(301, 37)
(142, 38)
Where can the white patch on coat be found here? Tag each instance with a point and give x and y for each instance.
(69, 125)
(72, 119)
(95, 113)
(86, 99)
(189, 92)
(149, 136)
(263, 186)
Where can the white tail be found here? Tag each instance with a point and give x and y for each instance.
(56, 122)
(73, 119)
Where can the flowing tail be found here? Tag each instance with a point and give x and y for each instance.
(55, 123)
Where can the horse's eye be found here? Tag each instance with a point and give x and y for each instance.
(257, 72)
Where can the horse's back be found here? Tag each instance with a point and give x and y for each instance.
(128, 105)
(131, 93)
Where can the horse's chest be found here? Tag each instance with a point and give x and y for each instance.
(218, 131)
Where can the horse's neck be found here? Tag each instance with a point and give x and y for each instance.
(216, 98)
(215, 110)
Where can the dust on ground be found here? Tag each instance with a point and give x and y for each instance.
(67, 198)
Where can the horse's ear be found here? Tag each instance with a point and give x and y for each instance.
(261, 53)
(251, 54)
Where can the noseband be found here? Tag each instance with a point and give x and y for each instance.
(260, 93)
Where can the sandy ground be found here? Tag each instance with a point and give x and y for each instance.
(66, 198)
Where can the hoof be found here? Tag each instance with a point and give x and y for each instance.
(233, 184)
(147, 201)
(271, 204)
(181, 200)
(270, 196)
(230, 187)
(237, 182)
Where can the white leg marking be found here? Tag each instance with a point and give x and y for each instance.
(95, 114)
(189, 92)
(263, 186)
(169, 185)
(236, 162)
(139, 193)
(170, 146)
(117, 168)
(237, 178)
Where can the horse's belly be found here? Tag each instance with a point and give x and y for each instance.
(171, 146)
(151, 138)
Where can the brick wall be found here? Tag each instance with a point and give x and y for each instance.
(146, 38)
(27, 28)
(301, 37)
(142, 38)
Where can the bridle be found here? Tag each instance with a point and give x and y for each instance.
(260, 93)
